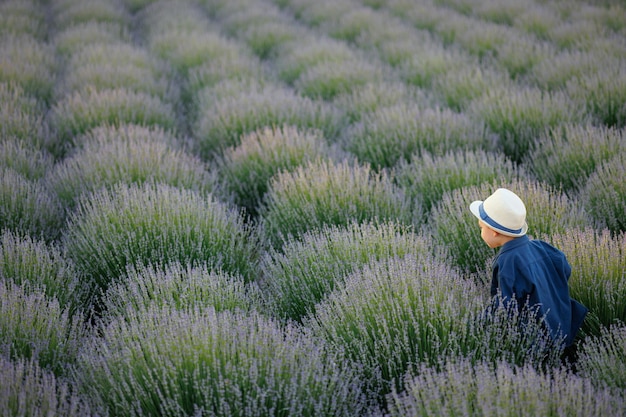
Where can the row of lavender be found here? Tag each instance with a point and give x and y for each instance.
(353, 136)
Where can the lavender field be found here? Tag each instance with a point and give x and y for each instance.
(260, 207)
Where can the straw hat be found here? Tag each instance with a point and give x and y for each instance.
(503, 211)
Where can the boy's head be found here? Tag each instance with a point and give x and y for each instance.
(502, 212)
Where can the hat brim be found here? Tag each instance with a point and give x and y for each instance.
(475, 209)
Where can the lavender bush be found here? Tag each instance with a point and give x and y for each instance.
(117, 65)
(229, 111)
(170, 363)
(604, 194)
(180, 287)
(22, 117)
(602, 358)
(598, 263)
(602, 94)
(35, 326)
(461, 85)
(72, 12)
(294, 58)
(326, 80)
(246, 170)
(27, 207)
(130, 154)
(22, 18)
(263, 27)
(77, 113)
(519, 115)
(392, 134)
(38, 266)
(30, 162)
(133, 225)
(29, 390)
(394, 314)
(372, 97)
(463, 388)
(29, 63)
(565, 157)
(78, 36)
(425, 178)
(304, 272)
(329, 193)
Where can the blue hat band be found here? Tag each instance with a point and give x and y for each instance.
(491, 222)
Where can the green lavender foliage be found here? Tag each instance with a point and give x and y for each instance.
(548, 212)
(502, 330)
(371, 97)
(460, 86)
(565, 157)
(425, 178)
(519, 115)
(393, 314)
(329, 193)
(23, 17)
(73, 12)
(71, 39)
(133, 225)
(604, 194)
(22, 116)
(464, 388)
(246, 170)
(35, 326)
(295, 58)
(180, 287)
(27, 207)
(598, 262)
(392, 134)
(304, 272)
(168, 363)
(38, 266)
(602, 93)
(130, 154)
(326, 80)
(231, 110)
(263, 27)
(116, 65)
(77, 113)
(29, 161)
(29, 390)
(602, 358)
(29, 63)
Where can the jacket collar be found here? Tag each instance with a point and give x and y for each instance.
(515, 243)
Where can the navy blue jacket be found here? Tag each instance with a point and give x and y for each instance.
(536, 272)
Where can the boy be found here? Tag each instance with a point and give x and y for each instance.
(529, 271)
